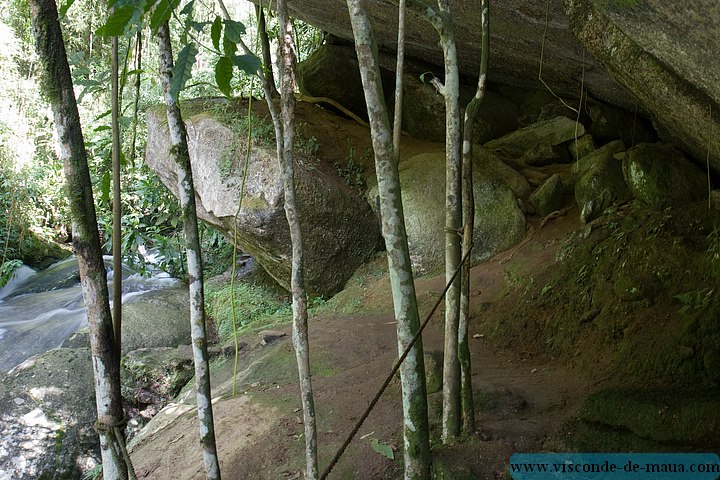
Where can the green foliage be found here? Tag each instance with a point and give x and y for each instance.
(352, 171)
(307, 145)
(224, 74)
(182, 70)
(382, 448)
(7, 269)
(695, 300)
(94, 473)
(256, 305)
(161, 14)
(115, 24)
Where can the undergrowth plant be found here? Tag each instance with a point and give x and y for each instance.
(256, 306)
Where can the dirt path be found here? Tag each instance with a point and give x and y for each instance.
(520, 402)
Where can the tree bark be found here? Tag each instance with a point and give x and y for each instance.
(265, 47)
(399, 69)
(417, 455)
(179, 149)
(57, 86)
(297, 281)
(468, 409)
(117, 208)
(453, 216)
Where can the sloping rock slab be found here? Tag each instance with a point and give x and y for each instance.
(47, 407)
(339, 229)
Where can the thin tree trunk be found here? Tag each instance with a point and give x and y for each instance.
(297, 282)
(417, 455)
(136, 106)
(179, 149)
(57, 85)
(453, 217)
(399, 69)
(265, 46)
(468, 408)
(117, 208)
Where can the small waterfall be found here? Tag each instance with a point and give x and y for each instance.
(40, 310)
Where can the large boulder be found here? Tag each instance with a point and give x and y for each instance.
(499, 222)
(601, 185)
(520, 30)
(659, 175)
(424, 112)
(652, 56)
(339, 229)
(541, 143)
(659, 51)
(160, 318)
(549, 197)
(332, 71)
(48, 411)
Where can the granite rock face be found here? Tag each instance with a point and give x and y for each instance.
(339, 229)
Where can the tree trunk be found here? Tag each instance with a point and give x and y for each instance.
(265, 46)
(57, 86)
(412, 373)
(453, 217)
(297, 281)
(179, 149)
(468, 409)
(116, 206)
(399, 69)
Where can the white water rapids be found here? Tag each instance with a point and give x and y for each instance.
(40, 310)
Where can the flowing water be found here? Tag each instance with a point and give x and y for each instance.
(40, 310)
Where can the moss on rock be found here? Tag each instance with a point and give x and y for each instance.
(660, 175)
(665, 416)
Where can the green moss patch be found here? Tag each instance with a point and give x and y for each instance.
(659, 415)
(632, 295)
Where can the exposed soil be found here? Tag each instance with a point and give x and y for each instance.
(520, 400)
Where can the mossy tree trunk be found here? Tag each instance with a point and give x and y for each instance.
(297, 281)
(58, 88)
(453, 217)
(441, 20)
(179, 149)
(468, 408)
(416, 443)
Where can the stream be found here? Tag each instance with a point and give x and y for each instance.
(40, 310)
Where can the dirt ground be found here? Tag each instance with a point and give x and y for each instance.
(520, 401)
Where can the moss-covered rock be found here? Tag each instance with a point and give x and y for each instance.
(581, 147)
(602, 183)
(159, 318)
(607, 150)
(161, 372)
(549, 197)
(332, 71)
(40, 253)
(659, 52)
(499, 222)
(659, 175)
(666, 416)
(539, 143)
